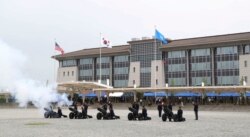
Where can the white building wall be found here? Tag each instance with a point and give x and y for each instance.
(66, 74)
(244, 70)
(134, 75)
(157, 75)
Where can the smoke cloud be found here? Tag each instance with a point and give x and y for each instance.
(24, 89)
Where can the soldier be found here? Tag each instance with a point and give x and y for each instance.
(144, 112)
(179, 114)
(170, 106)
(159, 107)
(59, 111)
(196, 110)
(85, 108)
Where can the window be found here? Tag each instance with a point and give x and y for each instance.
(245, 63)
(133, 82)
(68, 73)
(156, 68)
(72, 73)
(63, 73)
(156, 81)
(246, 79)
(134, 69)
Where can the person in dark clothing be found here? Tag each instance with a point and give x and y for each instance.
(159, 107)
(180, 114)
(105, 107)
(144, 112)
(170, 106)
(85, 108)
(136, 106)
(110, 105)
(196, 110)
(59, 111)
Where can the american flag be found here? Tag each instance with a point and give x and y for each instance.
(58, 48)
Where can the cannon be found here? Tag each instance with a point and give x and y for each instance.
(74, 114)
(103, 114)
(168, 114)
(49, 113)
(134, 115)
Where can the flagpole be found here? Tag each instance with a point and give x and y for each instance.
(54, 63)
(100, 61)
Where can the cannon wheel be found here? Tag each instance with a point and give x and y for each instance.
(80, 116)
(99, 116)
(71, 115)
(175, 118)
(164, 117)
(130, 116)
(46, 115)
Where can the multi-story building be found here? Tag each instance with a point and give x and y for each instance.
(214, 60)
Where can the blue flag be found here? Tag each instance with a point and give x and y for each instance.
(160, 37)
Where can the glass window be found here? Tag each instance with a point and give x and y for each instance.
(246, 79)
(176, 54)
(247, 49)
(228, 80)
(123, 70)
(103, 60)
(68, 63)
(68, 73)
(156, 68)
(146, 70)
(176, 67)
(245, 63)
(134, 69)
(63, 73)
(228, 64)
(72, 73)
(200, 52)
(121, 58)
(86, 61)
(156, 81)
(200, 66)
(226, 50)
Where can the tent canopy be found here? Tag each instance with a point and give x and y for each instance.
(116, 94)
(187, 94)
(157, 94)
(229, 94)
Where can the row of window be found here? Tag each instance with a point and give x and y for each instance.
(68, 73)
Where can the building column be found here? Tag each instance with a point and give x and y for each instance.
(98, 94)
(135, 96)
(110, 71)
(213, 68)
(7, 98)
(187, 65)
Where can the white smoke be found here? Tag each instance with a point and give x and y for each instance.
(24, 89)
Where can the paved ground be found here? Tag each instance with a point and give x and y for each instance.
(30, 123)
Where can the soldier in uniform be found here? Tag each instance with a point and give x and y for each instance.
(196, 110)
(159, 107)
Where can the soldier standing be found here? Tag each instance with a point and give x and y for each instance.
(196, 110)
(159, 107)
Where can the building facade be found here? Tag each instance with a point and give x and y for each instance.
(213, 60)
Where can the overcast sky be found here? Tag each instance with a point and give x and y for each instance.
(33, 25)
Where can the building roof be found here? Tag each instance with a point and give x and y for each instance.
(227, 38)
(115, 50)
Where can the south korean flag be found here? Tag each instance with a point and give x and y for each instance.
(106, 42)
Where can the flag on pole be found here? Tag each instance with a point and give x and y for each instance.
(58, 48)
(106, 42)
(160, 37)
